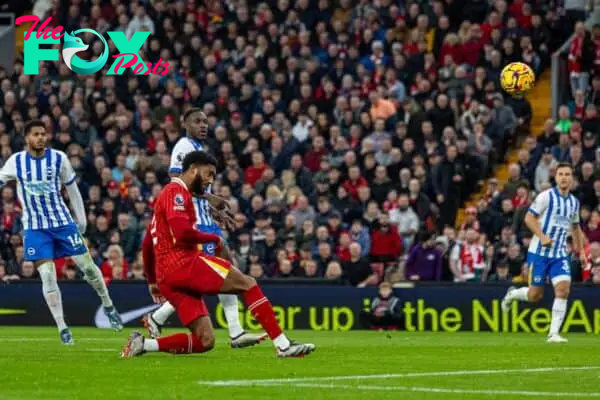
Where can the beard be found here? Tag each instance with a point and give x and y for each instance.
(197, 187)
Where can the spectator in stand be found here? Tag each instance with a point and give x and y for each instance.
(424, 262)
(543, 170)
(581, 58)
(303, 212)
(406, 221)
(357, 271)
(115, 266)
(386, 244)
(467, 260)
(592, 228)
(502, 273)
(28, 271)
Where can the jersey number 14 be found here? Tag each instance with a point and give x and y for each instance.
(75, 240)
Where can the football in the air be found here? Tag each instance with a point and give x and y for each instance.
(517, 78)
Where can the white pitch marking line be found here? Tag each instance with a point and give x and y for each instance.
(252, 382)
(442, 390)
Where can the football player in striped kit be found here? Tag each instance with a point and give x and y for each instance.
(195, 123)
(552, 217)
(50, 232)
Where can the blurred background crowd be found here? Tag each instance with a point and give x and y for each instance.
(348, 132)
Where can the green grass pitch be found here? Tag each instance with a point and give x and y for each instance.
(346, 365)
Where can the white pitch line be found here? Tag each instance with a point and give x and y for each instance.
(253, 382)
(442, 390)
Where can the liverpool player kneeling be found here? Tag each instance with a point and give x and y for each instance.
(179, 273)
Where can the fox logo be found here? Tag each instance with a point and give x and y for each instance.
(73, 45)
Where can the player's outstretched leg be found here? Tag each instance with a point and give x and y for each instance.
(559, 308)
(154, 322)
(531, 294)
(559, 273)
(537, 279)
(93, 276)
(53, 298)
(238, 338)
(200, 340)
(262, 311)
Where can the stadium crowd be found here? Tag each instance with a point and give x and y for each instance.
(348, 133)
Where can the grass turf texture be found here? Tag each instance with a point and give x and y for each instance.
(45, 369)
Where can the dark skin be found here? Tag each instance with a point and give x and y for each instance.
(198, 178)
(36, 142)
(196, 125)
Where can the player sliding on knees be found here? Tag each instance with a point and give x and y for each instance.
(196, 126)
(552, 216)
(49, 229)
(177, 270)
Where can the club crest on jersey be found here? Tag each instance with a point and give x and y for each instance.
(179, 202)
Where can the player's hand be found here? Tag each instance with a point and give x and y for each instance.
(546, 241)
(155, 293)
(223, 218)
(216, 201)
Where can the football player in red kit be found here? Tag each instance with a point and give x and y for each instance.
(177, 271)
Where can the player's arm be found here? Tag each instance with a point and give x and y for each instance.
(532, 217)
(8, 172)
(69, 179)
(217, 202)
(182, 227)
(148, 258)
(579, 238)
(181, 149)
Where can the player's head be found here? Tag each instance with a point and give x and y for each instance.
(35, 135)
(564, 176)
(199, 170)
(195, 123)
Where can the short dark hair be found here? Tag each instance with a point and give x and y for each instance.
(564, 165)
(34, 123)
(198, 157)
(190, 112)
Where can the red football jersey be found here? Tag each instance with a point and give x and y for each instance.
(174, 200)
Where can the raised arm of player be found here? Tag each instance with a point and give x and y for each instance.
(536, 209)
(178, 213)
(181, 149)
(8, 172)
(69, 179)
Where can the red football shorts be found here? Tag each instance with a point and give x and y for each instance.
(184, 287)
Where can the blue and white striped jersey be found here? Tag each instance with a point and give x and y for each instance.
(183, 147)
(39, 185)
(557, 214)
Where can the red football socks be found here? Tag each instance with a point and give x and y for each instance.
(262, 310)
(180, 343)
